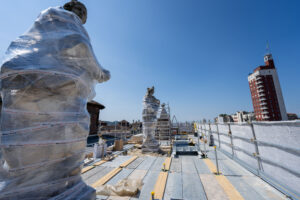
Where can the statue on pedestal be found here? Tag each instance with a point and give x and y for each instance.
(151, 106)
(47, 78)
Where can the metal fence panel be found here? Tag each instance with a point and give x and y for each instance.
(243, 142)
(279, 147)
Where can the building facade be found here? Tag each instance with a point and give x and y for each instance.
(266, 92)
(243, 116)
(94, 108)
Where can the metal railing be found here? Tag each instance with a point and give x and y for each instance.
(248, 143)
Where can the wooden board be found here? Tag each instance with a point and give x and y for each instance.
(168, 163)
(149, 183)
(106, 178)
(212, 188)
(229, 189)
(125, 164)
(120, 176)
(201, 166)
(86, 169)
(136, 163)
(99, 163)
(160, 185)
(211, 166)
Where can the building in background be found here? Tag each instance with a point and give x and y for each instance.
(266, 92)
(292, 116)
(94, 108)
(224, 118)
(243, 116)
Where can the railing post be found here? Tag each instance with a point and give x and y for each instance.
(231, 140)
(209, 133)
(204, 154)
(256, 154)
(218, 135)
(217, 163)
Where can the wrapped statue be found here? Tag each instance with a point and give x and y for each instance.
(47, 78)
(150, 108)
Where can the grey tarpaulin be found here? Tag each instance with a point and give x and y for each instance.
(47, 78)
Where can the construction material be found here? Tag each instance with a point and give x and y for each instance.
(125, 187)
(163, 127)
(125, 164)
(99, 162)
(136, 139)
(118, 146)
(168, 163)
(47, 78)
(112, 173)
(230, 190)
(160, 185)
(86, 169)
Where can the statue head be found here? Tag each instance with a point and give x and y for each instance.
(150, 91)
(78, 8)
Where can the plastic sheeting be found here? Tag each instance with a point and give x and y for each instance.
(151, 106)
(125, 187)
(46, 80)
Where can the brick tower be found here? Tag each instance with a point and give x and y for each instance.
(266, 92)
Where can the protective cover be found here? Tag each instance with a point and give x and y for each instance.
(151, 106)
(47, 78)
(124, 187)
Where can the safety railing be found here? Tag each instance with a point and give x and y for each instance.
(268, 149)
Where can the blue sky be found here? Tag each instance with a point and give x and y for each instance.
(197, 53)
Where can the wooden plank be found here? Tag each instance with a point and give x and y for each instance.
(99, 163)
(168, 163)
(125, 164)
(86, 169)
(160, 185)
(201, 166)
(229, 189)
(212, 188)
(112, 173)
(116, 162)
(245, 188)
(120, 176)
(211, 166)
(93, 175)
(149, 183)
(136, 163)
(107, 177)
(158, 164)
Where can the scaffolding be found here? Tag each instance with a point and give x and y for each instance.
(163, 127)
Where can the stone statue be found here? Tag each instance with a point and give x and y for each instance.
(47, 78)
(151, 106)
